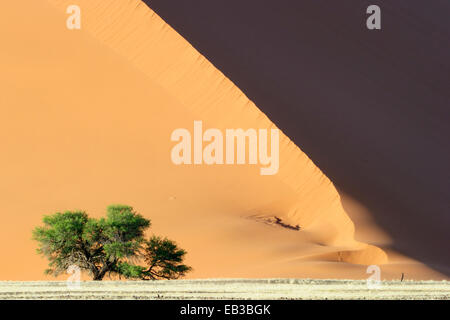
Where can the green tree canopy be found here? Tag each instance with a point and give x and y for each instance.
(164, 258)
(112, 245)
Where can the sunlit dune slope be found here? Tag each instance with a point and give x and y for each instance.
(86, 120)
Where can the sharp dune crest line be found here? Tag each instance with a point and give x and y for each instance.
(87, 117)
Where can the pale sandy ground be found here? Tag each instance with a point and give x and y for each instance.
(227, 289)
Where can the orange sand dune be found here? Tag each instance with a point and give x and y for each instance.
(86, 120)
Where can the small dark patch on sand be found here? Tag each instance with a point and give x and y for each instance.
(276, 221)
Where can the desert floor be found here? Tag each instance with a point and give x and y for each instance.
(226, 289)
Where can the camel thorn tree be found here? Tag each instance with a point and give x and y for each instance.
(114, 245)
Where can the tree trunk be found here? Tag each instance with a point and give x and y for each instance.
(98, 277)
(106, 267)
(95, 274)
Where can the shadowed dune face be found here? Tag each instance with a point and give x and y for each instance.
(370, 108)
(86, 121)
